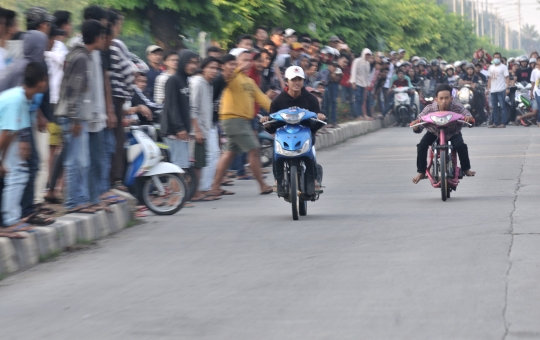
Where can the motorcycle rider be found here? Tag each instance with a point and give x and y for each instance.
(450, 74)
(443, 102)
(524, 72)
(532, 63)
(422, 72)
(295, 95)
(436, 74)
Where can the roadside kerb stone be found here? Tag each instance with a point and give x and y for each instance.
(68, 230)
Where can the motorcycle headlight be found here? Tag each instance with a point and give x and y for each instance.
(441, 120)
(298, 152)
(293, 118)
(428, 99)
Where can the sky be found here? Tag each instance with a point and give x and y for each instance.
(508, 10)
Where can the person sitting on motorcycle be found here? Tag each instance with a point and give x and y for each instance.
(470, 78)
(436, 74)
(398, 80)
(443, 102)
(422, 72)
(535, 80)
(413, 76)
(450, 74)
(295, 95)
(524, 72)
(532, 63)
(478, 71)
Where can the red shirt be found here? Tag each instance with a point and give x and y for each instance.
(346, 76)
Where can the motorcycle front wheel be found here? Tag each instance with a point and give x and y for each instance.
(295, 201)
(444, 181)
(302, 205)
(174, 189)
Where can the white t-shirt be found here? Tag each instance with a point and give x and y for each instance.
(498, 75)
(535, 79)
(55, 62)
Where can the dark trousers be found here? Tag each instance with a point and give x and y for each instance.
(118, 160)
(458, 144)
(27, 200)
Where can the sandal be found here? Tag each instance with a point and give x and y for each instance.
(39, 219)
(21, 226)
(12, 235)
(82, 210)
(45, 210)
(227, 184)
(227, 192)
(54, 200)
(267, 190)
(206, 198)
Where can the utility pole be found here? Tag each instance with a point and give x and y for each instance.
(497, 28)
(462, 9)
(482, 17)
(490, 16)
(472, 10)
(506, 40)
(477, 22)
(454, 6)
(519, 23)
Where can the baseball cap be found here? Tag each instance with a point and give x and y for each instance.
(152, 49)
(319, 83)
(297, 46)
(237, 51)
(401, 50)
(38, 15)
(293, 72)
(393, 52)
(289, 32)
(334, 39)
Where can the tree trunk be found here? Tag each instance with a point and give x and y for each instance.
(165, 27)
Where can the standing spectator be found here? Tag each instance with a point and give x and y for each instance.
(207, 143)
(261, 35)
(141, 105)
(77, 107)
(315, 49)
(272, 73)
(122, 75)
(535, 79)
(278, 38)
(285, 61)
(15, 131)
(214, 51)
(401, 55)
(334, 42)
(176, 120)
(237, 112)
(154, 54)
(347, 93)
(311, 75)
(171, 66)
(360, 76)
(498, 88)
(306, 44)
(244, 41)
(331, 76)
(290, 38)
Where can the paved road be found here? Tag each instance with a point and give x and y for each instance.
(376, 258)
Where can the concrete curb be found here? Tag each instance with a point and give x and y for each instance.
(48, 242)
(351, 130)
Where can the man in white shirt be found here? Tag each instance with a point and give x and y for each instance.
(498, 88)
(360, 77)
(535, 79)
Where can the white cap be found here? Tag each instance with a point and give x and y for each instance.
(401, 50)
(339, 71)
(237, 51)
(415, 58)
(293, 72)
(289, 32)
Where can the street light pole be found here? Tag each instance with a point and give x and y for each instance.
(519, 23)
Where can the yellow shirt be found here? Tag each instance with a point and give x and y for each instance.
(239, 97)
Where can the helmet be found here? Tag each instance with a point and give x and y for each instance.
(532, 60)
(469, 65)
(511, 60)
(444, 62)
(326, 50)
(457, 64)
(434, 62)
(450, 67)
(522, 58)
(422, 62)
(406, 63)
(464, 62)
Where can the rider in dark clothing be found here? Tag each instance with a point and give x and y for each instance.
(473, 80)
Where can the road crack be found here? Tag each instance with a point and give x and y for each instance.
(512, 234)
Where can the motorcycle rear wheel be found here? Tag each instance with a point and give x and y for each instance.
(295, 202)
(444, 181)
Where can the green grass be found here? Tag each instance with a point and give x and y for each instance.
(50, 256)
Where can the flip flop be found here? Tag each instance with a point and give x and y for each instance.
(12, 235)
(22, 227)
(227, 192)
(267, 191)
(85, 210)
(54, 200)
(39, 220)
(207, 198)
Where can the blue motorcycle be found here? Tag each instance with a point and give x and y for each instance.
(295, 155)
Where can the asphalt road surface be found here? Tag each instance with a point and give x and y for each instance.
(377, 257)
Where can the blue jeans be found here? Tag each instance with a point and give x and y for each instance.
(238, 164)
(108, 150)
(76, 164)
(496, 99)
(358, 100)
(14, 183)
(95, 170)
(27, 200)
(347, 95)
(538, 105)
(179, 151)
(333, 92)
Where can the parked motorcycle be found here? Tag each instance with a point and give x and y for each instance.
(294, 145)
(442, 169)
(402, 105)
(523, 102)
(160, 185)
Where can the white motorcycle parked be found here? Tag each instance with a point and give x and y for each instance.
(160, 185)
(402, 105)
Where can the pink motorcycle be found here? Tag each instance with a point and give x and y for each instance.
(442, 169)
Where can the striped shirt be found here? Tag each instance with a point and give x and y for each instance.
(122, 71)
(453, 128)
